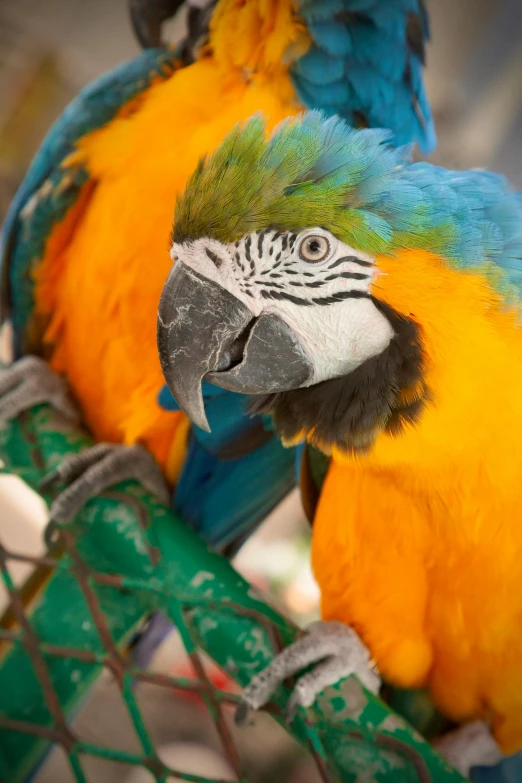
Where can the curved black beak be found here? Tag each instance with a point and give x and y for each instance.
(206, 333)
(147, 18)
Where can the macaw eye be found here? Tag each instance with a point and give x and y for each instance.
(314, 248)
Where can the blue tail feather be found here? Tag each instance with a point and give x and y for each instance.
(224, 497)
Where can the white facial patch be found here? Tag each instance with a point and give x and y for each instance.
(314, 282)
(339, 336)
(214, 260)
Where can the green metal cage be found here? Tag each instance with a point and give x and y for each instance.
(124, 558)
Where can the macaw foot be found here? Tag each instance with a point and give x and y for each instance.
(469, 746)
(30, 381)
(334, 647)
(94, 470)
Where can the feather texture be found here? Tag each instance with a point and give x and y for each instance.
(316, 171)
(365, 64)
(233, 476)
(50, 189)
(90, 223)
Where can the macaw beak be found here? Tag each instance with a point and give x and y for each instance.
(206, 333)
(147, 18)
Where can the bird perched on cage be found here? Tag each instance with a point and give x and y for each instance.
(371, 307)
(86, 242)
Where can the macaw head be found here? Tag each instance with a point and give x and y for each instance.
(278, 288)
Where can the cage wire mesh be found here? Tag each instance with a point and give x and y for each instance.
(122, 560)
(125, 558)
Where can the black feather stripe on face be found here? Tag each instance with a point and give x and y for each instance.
(350, 260)
(349, 412)
(262, 257)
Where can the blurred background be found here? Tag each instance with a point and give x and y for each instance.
(49, 49)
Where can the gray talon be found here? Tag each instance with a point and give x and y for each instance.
(30, 381)
(74, 465)
(94, 470)
(334, 647)
(471, 745)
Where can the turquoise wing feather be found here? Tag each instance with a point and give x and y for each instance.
(234, 475)
(47, 191)
(508, 771)
(365, 65)
(233, 478)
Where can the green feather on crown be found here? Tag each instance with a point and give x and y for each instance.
(317, 171)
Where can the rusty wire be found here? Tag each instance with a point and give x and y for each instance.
(15, 627)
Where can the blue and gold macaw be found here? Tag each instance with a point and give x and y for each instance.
(85, 251)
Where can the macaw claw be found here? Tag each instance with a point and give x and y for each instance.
(471, 745)
(30, 381)
(92, 471)
(334, 647)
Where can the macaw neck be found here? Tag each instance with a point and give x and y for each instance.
(472, 346)
(258, 37)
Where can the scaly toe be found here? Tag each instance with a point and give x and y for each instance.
(337, 652)
(30, 381)
(89, 473)
(74, 465)
(471, 745)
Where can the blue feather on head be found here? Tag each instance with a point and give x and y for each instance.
(316, 170)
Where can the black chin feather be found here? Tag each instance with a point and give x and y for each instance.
(386, 392)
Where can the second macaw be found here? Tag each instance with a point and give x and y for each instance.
(86, 242)
(371, 307)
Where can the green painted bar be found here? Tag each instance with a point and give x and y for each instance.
(163, 565)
